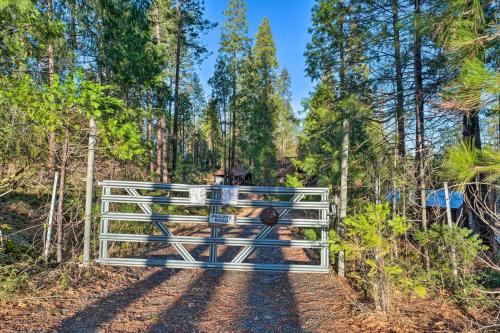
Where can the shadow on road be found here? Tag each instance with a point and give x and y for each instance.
(184, 314)
(107, 308)
(270, 302)
(104, 310)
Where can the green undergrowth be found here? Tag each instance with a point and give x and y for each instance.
(384, 259)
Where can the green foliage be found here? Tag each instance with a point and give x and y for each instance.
(310, 234)
(11, 280)
(293, 181)
(468, 30)
(372, 241)
(465, 162)
(234, 39)
(442, 241)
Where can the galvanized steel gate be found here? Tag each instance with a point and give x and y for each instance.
(118, 196)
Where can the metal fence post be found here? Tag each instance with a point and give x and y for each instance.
(324, 234)
(51, 216)
(103, 248)
(450, 225)
(214, 231)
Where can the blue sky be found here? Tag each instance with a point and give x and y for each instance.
(289, 20)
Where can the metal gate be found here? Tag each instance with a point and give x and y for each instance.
(124, 202)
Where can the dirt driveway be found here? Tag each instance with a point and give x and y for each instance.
(195, 300)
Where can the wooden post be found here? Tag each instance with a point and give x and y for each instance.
(450, 225)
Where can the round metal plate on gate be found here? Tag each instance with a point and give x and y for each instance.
(269, 216)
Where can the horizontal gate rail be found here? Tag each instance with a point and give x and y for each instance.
(119, 184)
(185, 202)
(304, 199)
(233, 241)
(299, 268)
(204, 219)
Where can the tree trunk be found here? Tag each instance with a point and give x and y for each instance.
(177, 83)
(164, 150)
(394, 197)
(232, 155)
(89, 193)
(471, 129)
(72, 59)
(419, 121)
(343, 187)
(400, 118)
(60, 203)
(159, 151)
(50, 54)
(344, 159)
(149, 140)
(224, 142)
(162, 123)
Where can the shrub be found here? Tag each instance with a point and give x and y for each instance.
(371, 242)
(443, 242)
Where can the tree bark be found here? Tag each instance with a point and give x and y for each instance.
(60, 203)
(72, 60)
(419, 122)
(89, 193)
(161, 132)
(232, 153)
(400, 118)
(149, 140)
(175, 133)
(344, 158)
(344, 165)
(471, 129)
(50, 54)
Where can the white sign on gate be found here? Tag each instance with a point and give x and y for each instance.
(221, 219)
(197, 195)
(229, 195)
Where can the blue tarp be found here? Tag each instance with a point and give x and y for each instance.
(436, 199)
(388, 197)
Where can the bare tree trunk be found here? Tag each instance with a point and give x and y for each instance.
(50, 53)
(159, 151)
(60, 203)
(471, 129)
(164, 150)
(419, 121)
(343, 189)
(232, 154)
(394, 197)
(149, 140)
(175, 133)
(89, 193)
(344, 159)
(161, 132)
(224, 143)
(400, 118)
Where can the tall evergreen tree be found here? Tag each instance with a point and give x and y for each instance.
(262, 122)
(336, 52)
(235, 45)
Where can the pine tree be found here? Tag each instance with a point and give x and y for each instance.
(286, 128)
(262, 122)
(235, 45)
(336, 52)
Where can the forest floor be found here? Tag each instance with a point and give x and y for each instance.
(124, 299)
